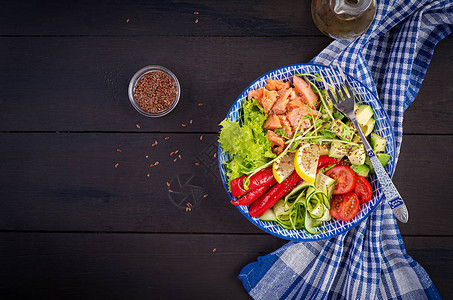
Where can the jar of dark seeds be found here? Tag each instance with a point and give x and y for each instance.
(154, 91)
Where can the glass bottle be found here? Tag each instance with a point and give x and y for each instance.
(343, 19)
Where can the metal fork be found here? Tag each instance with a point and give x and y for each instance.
(344, 102)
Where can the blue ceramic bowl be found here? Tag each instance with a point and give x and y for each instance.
(382, 127)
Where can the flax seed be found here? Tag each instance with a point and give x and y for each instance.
(119, 150)
(175, 160)
(214, 250)
(155, 91)
(116, 165)
(147, 175)
(201, 137)
(195, 12)
(200, 104)
(176, 152)
(215, 155)
(180, 157)
(168, 184)
(191, 121)
(196, 21)
(127, 21)
(183, 125)
(172, 153)
(197, 164)
(138, 126)
(205, 195)
(156, 163)
(146, 156)
(167, 137)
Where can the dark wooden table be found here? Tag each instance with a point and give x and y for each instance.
(72, 225)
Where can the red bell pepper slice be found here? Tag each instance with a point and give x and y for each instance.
(325, 160)
(263, 177)
(278, 191)
(249, 198)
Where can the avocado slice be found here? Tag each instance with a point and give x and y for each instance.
(363, 114)
(338, 149)
(357, 155)
(362, 170)
(377, 142)
(383, 159)
(342, 130)
(368, 127)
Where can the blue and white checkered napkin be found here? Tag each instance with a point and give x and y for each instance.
(369, 261)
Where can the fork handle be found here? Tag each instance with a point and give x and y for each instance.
(392, 195)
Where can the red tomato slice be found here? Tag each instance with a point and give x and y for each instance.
(344, 207)
(363, 189)
(345, 177)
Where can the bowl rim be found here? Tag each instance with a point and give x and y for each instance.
(136, 77)
(392, 166)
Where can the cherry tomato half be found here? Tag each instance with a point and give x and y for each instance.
(344, 207)
(363, 189)
(345, 177)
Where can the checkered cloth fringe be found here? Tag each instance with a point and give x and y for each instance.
(369, 261)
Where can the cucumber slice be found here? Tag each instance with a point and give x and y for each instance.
(315, 207)
(269, 215)
(327, 216)
(325, 184)
(310, 224)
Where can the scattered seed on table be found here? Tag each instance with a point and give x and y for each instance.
(175, 160)
(147, 175)
(196, 21)
(171, 191)
(127, 21)
(146, 156)
(156, 163)
(172, 153)
(168, 184)
(183, 125)
(200, 104)
(215, 155)
(197, 164)
(176, 152)
(116, 165)
(180, 157)
(119, 150)
(205, 195)
(201, 137)
(138, 126)
(167, 137)
(195, 12)
(189, 204)
(214, 250)
(191, 121)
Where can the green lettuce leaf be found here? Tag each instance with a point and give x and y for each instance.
(245, 141)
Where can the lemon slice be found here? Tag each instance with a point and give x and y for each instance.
(306, 162)
(283, 167)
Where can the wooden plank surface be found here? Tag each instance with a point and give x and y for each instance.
(143, 266)
(68, 182)
(232, 18)
(80, 83)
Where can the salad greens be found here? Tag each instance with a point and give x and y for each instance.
(246, 142)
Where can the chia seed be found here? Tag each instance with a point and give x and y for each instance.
(155, 92)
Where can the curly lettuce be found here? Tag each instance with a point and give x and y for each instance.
(245, 141)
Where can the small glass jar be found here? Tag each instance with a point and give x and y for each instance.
(136, 78)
